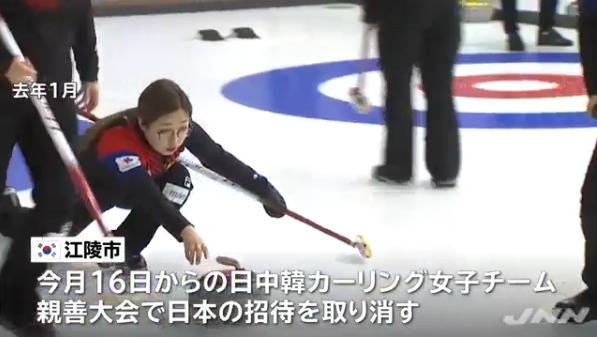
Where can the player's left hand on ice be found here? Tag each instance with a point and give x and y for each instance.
(273, 202)
(592, 107)
(194, 247)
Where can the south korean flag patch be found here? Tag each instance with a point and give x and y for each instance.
(127, 163)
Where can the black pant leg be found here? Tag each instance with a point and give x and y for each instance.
(81, 215)
(587, 38)
(53, 195)
(139, 228)
(510, 16)
(588, 207)
(438, 57)
(547, 14)
(588, 216)
(10, 122)
(399, 44)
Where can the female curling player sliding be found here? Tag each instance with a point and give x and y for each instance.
(130, 161)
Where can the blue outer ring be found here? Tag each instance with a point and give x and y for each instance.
(294, 91)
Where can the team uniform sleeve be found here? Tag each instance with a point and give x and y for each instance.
(129, 174)
(85, 47)
(215, 158)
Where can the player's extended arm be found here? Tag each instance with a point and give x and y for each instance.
(215, 158)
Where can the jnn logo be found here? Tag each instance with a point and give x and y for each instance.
(556, 316)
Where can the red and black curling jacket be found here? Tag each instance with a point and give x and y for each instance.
(116, 157)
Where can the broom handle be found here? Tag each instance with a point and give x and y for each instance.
(365, 48)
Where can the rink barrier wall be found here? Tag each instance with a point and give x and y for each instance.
(139, 7)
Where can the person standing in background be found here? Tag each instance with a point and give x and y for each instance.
(588, 207)
(424, 33)
(547, 35)
(46, 31)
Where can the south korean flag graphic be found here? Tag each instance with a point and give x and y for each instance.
(45, 250)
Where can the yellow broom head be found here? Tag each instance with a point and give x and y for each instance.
(363, 246)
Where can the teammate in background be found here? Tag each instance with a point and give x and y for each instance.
(588, 207)
(46, 32)
(546, 36)
(130, 161)
(427, 33)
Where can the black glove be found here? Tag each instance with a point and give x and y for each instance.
(272, 200)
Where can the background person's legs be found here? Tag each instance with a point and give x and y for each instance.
(588, 216)
(53, 194)
(438, 56)
(510, 20)
(547, 35)
(510, 16)
(399, 45)
(10, 121)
